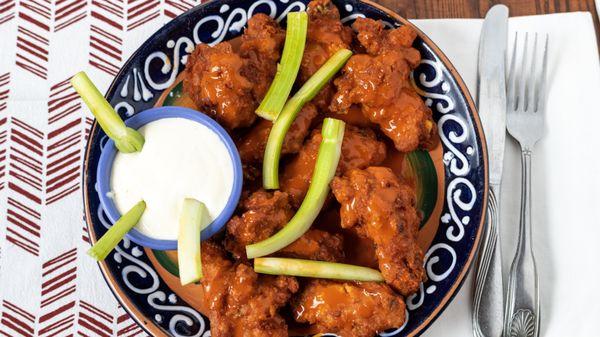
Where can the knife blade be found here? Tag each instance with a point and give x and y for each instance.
(492, 86)
(488, 303)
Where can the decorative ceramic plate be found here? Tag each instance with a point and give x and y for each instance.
(451, 180)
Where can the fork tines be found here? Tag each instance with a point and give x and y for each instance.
(526, 80)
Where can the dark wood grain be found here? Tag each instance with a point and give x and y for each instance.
(428, 9)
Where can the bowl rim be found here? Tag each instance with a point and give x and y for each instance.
(109, 152)
(149, 327)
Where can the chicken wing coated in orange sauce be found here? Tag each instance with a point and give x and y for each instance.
(265, 213)
(240, 302)
(360, 149)
(261, 47)
(252, 146)
(379, 82)
(326, 35)
(349, 309)
(214, 83)
(229, 85)
(382, 208)
(317, 245)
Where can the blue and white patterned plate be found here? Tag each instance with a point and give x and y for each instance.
(131, 271)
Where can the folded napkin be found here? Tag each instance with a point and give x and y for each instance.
(565, 174)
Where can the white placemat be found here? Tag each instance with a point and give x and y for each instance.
(566, 171)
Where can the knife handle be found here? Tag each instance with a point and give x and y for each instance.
(488, 307)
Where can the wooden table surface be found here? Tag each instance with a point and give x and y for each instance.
(428, 9)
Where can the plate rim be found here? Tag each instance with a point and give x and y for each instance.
(154, 330)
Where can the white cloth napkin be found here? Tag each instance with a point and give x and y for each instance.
(565, 174)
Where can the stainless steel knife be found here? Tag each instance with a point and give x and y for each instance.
(488, 304)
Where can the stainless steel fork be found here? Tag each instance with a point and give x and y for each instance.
(526, 99)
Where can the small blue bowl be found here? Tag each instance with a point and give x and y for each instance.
(109, 152)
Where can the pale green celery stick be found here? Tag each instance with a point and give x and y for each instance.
(126, 139)
(279, 91)
(287, 116)
(318, 269)
(193, 219)
(327, 160)
(115, 234)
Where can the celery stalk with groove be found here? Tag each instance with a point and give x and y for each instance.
(293, 50)
(193, 218)
(115, 234)
(318, 269)
(285, 119)
(126, 139)
(327, 160)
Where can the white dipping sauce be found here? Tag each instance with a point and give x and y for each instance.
(180, 159)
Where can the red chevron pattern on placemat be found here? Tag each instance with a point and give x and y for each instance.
(139, 12)
(64, 139)
(16, 322)
(106, 41)
(25, 170)
(94, 321)
(43, 129)
(174, 8)
(32, 41)
(68, 12)
(4, 91)
(7, 10)
(57, 307)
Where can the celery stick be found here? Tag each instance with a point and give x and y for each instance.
(318, 269)
(295, 39)
(115, 234)
(126, 139)
(327, 160)
(193, 218)
(285, 119)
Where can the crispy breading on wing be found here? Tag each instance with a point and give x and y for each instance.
(240, 302)
(381, 207)
(379, 83)
(252, 146)
(349, 309)
(326, 35)
(360, 149)
(214, 83)
(264, 214)
(317, 245)
(261, 47)
(228, 85)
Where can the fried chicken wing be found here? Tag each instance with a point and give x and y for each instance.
(379, 206)
(325, 36)
(265, 213)
(214, 83)
(252, 146)
(240, 302)
(316, 245)
(229, 86)
(360, 149)
(261, 47)
(349, 309)
(379, 82)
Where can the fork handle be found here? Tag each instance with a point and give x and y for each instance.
(522, 317)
